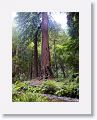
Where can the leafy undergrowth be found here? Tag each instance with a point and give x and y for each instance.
(24, 92)
(29, 97)
(70, 89)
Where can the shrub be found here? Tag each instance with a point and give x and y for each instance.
(61, 92)
(34, 89)
(69, 90)
(74, 77)
(49, 87)
(22, 92)
(23, 87)
(20, 86)
(29, 97)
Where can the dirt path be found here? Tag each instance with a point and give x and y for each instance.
(36, 82)
(54, 98)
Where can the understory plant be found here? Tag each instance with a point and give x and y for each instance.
(24, 92)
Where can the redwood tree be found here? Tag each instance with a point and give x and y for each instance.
(35, 55)
(45, 55)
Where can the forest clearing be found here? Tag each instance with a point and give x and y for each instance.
(45, 57)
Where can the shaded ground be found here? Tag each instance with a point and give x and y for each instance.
(36, 82)
(54, 98)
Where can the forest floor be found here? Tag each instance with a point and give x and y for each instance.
(36, 82)
(53, 98)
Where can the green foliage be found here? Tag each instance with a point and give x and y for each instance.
(70, 90)
(22, 92)
(25, 87)
(49, 87)
(30, 46)
(73, 24)
(28, 23)
(19, 86)
(29, 97)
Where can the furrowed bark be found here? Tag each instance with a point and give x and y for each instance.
(35, 56)
(45, 55)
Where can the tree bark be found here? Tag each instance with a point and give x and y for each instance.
(35, 56)
(55, 62)
(45, 55)
(30, 69)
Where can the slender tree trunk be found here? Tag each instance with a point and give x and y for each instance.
(30, 69)
(56, 70)
(55, 62)
(45, 60)
(35, 56)
(62, 68)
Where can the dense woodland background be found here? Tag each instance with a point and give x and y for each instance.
(45, 57)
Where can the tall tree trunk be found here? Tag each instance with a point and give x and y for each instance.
(55, 62)
(30, 69)
(45, 60)
(35, 56)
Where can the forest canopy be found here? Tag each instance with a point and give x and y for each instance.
(45, 52)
